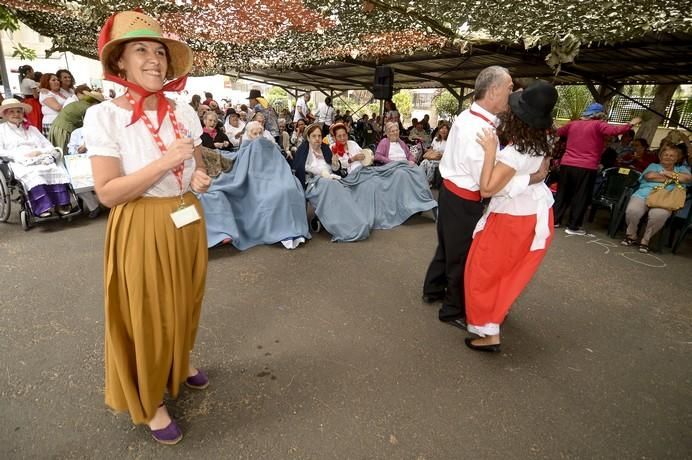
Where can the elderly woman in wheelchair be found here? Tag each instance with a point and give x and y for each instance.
(32, 160)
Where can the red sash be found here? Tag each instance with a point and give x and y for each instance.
(462, 192)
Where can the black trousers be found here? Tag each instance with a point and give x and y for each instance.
(456, 220)
(574, 191)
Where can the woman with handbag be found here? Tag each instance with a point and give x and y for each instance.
(661, 192)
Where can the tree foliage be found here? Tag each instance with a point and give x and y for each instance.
(276, 94)
(446, 105)
(8, 21)
(404, 103)
(572, 100)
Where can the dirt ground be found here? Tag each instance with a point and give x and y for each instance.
(327, 352)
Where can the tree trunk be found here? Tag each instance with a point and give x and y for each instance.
(664, 93)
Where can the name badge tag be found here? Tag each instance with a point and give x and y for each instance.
(185, 216)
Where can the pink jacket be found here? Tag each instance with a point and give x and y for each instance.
(585, 141)
(382, 152)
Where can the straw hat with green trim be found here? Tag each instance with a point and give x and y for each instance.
(132, 25)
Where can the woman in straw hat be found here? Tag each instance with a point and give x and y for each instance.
(33, 161)
(512, 237)
(146, 160)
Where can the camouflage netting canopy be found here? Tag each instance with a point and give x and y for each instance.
(262, 37)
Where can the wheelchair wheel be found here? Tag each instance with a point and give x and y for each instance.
(26, 220)
(315, 225)
(5, 199)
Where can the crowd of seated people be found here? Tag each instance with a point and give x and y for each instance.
(52, 112)
(348, 141)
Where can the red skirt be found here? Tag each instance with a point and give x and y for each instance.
(35, 117)
(499, 266)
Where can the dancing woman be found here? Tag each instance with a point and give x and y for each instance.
(515, 231)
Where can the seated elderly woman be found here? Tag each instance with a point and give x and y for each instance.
(258, 118)
(653, 176)
(418, 133)
(367, 198)
(258, 201)
(347, 154)
(392, 148)
(432, 157)
(640, 158)
(313, 158)
(33, 161)
(213, 137)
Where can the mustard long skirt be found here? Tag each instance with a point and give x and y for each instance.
(154, 285)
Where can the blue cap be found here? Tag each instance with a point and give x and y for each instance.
(592, 110)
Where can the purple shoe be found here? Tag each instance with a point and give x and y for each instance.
(170, 435)
(198, 381)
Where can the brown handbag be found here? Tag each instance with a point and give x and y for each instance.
(672, 200)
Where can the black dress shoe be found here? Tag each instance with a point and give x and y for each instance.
(494, 348)
(457, 322)
(433, 298)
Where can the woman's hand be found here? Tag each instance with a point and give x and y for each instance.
(488, 140)
(200, 182)
(177, 152)
(411, 163)
(219, 145)
(358, 157)
(432, 155)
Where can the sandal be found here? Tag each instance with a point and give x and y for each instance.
(628, 242)
(643, 248)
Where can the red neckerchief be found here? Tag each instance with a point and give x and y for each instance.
(178, 170)
(210, 131)
(339, 149)
(161, 103)
(482, 117)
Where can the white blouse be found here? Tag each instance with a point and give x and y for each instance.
(317, 166)
(439, 146)
(49, 115)
(231, 131)
(106, 133)
(396, 153)
(27, 86)
(18, 143)
(353, 149)
(536, 199)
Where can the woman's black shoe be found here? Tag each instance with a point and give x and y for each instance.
(494, 348)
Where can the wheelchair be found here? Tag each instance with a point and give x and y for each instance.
(12, 191)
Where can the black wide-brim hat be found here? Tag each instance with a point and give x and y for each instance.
(254, 94)
(534, 105)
